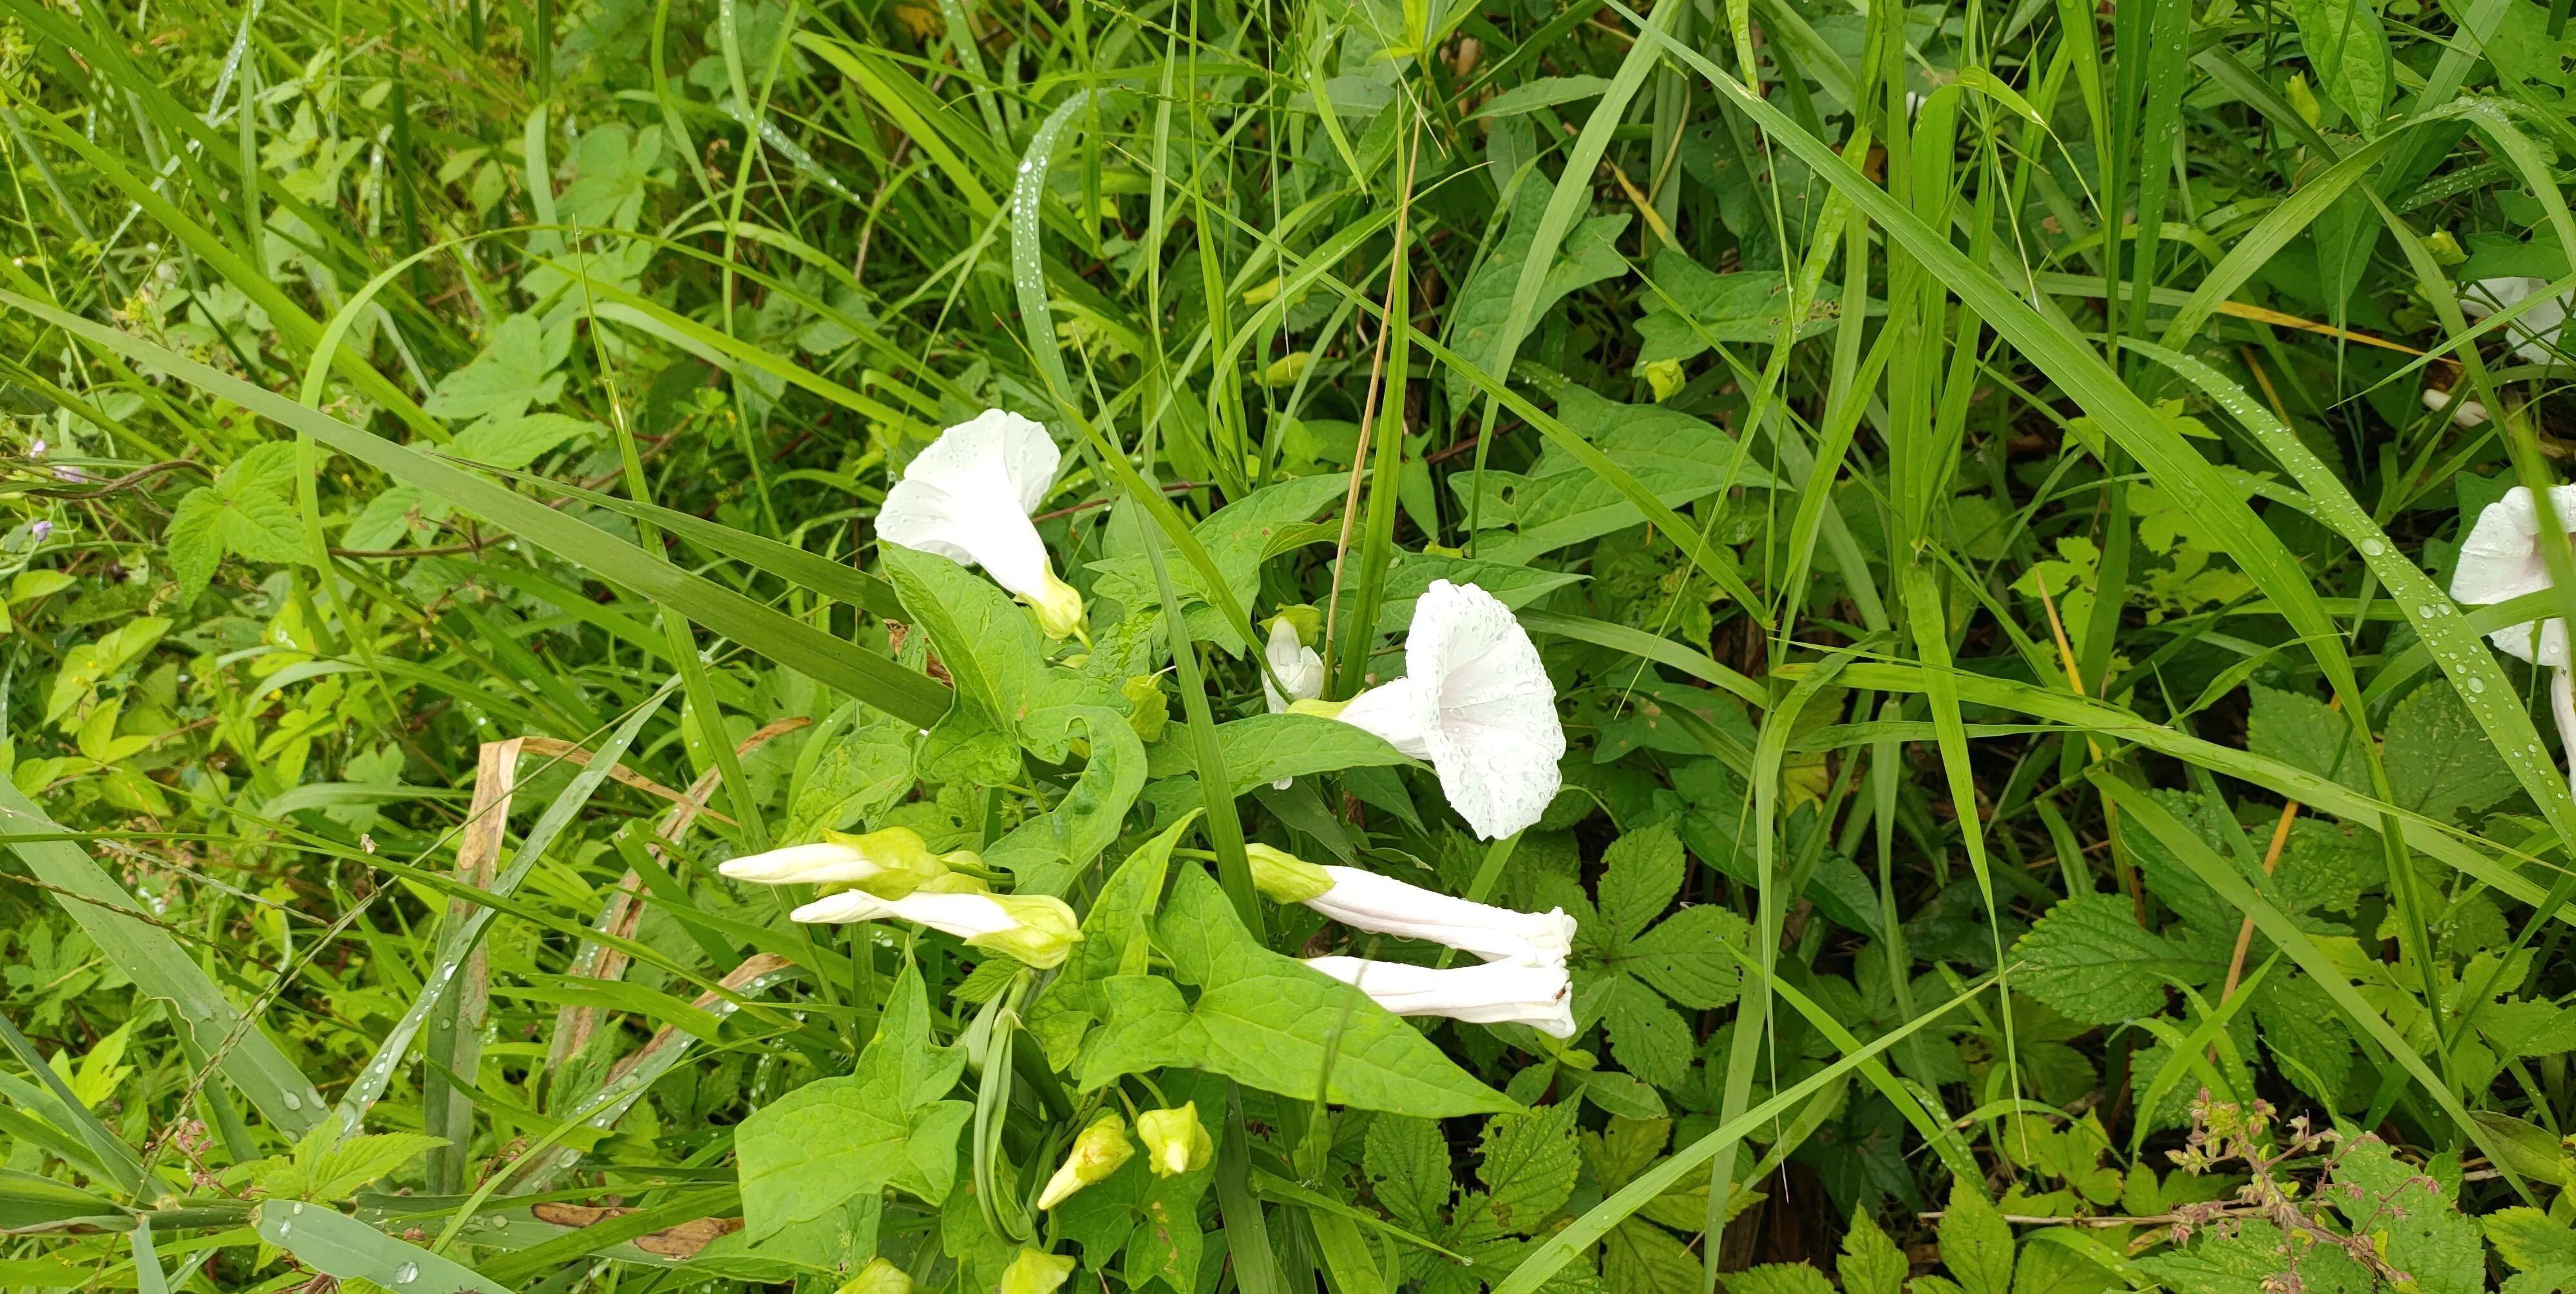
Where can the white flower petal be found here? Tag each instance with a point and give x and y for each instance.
(1478, 704)
(2501, 559)
(822, 863)
(1367, 901)
(2537, 329)
(967, 916)
(1495, 993)
(968, 498)
(1295, 663)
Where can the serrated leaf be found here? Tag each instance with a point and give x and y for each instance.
(2441, 763)
(2530, 1239)
(1648, 1037)
(515, 370)
(2425, 1235)
(1529, 1165)
(1871, 1263)
(2300, 731)
(1685, 958)
(2088, 959)
(1778, 1278)
(1640, 873)
(1407, 1161)
(1976, 1242)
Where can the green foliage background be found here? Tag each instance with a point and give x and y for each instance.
(1982, 478)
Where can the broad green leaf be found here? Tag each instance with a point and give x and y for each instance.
(2089, 960)
(2440, 762)
(2348, 49)
(1976, 1243)
(515, 371)
(884, 1124)
(1266, 747)
(1266, 1020)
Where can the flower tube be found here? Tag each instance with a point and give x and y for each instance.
(1033, 928)
(1476, 703)
(889, 863)
(1175, 1141)
(968, 498)
(1494, 993)
(1383, 905)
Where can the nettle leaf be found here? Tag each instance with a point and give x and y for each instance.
(2088, 959)
(2440, 762)
(1528, 1167)
(513, 441)
(1641, 871)
(515, 371)
(1407, 1161)
(1976, 1242)
(1684, 958)
(2300, 731)
(2416, 1220)
(1270, 1021)
(884, 1124)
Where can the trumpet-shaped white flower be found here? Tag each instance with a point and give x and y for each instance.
(890, 863)
(2467, 415)
(1541, 997)
(2538, 330)
(1033, 928)
(1367, 901)
(968, 498)
(2503, 558)
(1474, 701)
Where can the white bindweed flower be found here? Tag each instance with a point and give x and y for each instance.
(1474, 701)
(2502, 559)
(2467, 415)
(2537, 331)
(968, 498)
(1541, 997)
(889, 863)
(1296, 664)
(1381, 904)
(1033, 928)
(1298, 667)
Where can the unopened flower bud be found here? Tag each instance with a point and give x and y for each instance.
(1096, 1154)
(1283, 877)
(889, 863)
(1033, 928)
(1035, 1272)
(879, 1277)
(1175, 1141)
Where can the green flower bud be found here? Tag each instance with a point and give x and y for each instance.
(1284, 877)
(879, 1277)
(1175, 1141)
(1035, 1272)
(1096, 1154)
(1043, 934)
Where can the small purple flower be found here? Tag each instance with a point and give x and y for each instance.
(41, 531)
(37, 450)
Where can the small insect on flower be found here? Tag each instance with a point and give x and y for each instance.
(1096, 1153)
(969, 497)
(1383, 905)
(1495, 993)
(1036, 929)
(1476, 702)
